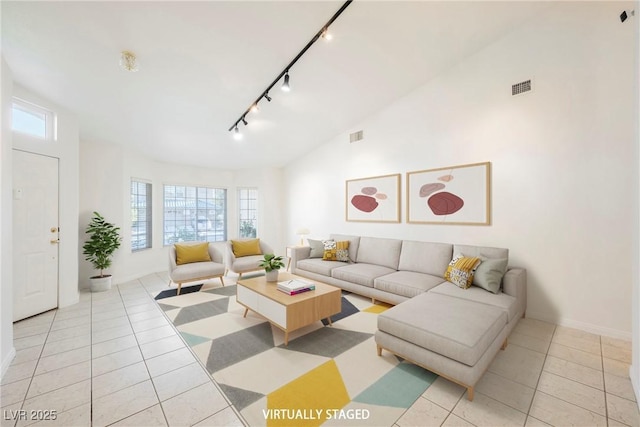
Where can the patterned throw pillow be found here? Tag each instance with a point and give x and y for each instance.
(461, 270)
(336, 251)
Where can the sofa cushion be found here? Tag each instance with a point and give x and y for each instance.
(243, 248)
(425, 257)
(377, 251)
(189, 253)
(360, 274)
(453, 327)
(406, 283)
(489, 273)
(192, 271)
(461, 270)
(247, 263)
(354, 244)
(317, 265)
(505, 302)
(485, 251)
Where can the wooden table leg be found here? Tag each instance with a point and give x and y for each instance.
(286, 338)
(329, 320)
(246, 310)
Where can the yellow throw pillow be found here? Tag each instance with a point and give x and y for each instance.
(186, 254)
(461, 270)
(336, 251)
(246, 247)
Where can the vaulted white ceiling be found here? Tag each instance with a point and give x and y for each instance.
(201, 65)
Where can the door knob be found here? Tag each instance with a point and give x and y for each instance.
(55, 241)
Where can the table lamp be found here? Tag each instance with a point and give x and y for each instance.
(302, 232)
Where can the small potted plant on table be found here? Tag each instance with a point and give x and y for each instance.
(271, 264)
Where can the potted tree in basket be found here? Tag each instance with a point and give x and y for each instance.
(104, 239)
(271, 264)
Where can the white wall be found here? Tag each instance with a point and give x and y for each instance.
(562, 160)
(634, 371)
(106, 172)
(7, 351)
(65, 148)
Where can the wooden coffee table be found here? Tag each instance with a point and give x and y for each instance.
(288, 312)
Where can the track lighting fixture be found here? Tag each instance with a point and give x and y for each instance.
(323, 33)
(285, 85)
(254, 108)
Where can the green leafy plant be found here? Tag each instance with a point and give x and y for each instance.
(271, 262)
(247, 229)
(104, 239)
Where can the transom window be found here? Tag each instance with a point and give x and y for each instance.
(194, 214)
(247, 212)
(141, 230)
(32, 120)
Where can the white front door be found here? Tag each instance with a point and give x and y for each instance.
(35, 234)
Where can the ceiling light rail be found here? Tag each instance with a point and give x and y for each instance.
(323, 33)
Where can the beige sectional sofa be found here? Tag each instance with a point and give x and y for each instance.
(449, 330)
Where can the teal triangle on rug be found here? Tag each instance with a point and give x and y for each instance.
(193, 340)
(411, 379)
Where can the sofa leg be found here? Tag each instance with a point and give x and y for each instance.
(373, 301)
(239, 276)
(504, 344)
(221, 281)
(179, 287)
(379, 350)
(470, 393)
(226, 271)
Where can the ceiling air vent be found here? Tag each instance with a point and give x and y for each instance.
(356, 136)
(521, 87)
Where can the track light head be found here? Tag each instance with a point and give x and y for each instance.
(267, 97)
(244, 121)
(254, 108)
(285, 85)
(326, 34)
(236, 133)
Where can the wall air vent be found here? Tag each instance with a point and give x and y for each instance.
(521, 87)
(356, 136)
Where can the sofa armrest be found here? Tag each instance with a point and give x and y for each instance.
(514, 283)
(229, 257)
(299, 253)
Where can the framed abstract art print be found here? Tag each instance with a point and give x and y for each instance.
(375, 199)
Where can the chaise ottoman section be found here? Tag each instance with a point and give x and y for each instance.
(455, 328)
(454, 333)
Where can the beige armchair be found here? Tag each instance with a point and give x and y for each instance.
(244, 264)
(194, 271)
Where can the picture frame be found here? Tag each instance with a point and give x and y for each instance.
(373, 199)
(453, 195)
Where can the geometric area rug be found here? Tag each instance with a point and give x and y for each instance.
(327, 375)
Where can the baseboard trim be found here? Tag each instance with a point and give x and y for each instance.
(587, 327)
(633, 374)
(7, 361)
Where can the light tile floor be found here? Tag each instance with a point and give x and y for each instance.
(114, 359)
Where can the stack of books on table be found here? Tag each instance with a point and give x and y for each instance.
(295, 286)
